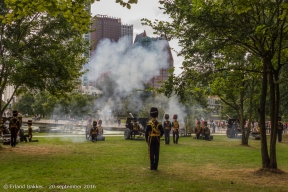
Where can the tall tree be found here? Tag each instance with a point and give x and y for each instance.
(41, 44)
(205, 27)
(75, 12)
(24, 105)
(39, 52)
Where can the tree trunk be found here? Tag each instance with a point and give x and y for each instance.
(274, 114)
(261, 110)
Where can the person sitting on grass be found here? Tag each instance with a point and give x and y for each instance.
(94, 131)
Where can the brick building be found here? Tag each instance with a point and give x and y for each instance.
(104, 27)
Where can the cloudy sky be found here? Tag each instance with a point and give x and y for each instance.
(144, 9)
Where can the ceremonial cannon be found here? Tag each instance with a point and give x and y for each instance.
(233, 128)
(135, 127)
(5, 134)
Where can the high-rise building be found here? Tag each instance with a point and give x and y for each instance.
(127, 30)
(148, 42)
(104, 27)
(85, 77)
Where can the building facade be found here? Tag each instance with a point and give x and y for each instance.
(127, 30)
(104, 27)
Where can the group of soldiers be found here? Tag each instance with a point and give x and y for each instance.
(202, 131)
(14, 129)
(280, 128)
(168, 126)
(94, 132)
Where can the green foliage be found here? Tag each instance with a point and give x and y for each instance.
(75, 12)
(39, 51)
(24, 105)
(210, 31)
(128, 4)
(74, 104)
(40, 100)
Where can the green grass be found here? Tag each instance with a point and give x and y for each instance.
(122, 165)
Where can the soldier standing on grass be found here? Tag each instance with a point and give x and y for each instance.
(279, 130)
(154, 131)
(167, 129)
(175, 126)
(14, 127)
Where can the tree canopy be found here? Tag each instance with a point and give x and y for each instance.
(75, 12)
(40, 52)
(41, 44)
(208, 30)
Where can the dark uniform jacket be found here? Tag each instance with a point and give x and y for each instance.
(280, 126)
(206, 130)
(14, 125)
(167, 125)
(153, 129)
(94, 131)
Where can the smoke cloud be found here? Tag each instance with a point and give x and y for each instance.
(129, 66)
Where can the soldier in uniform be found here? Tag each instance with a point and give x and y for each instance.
(154, 131)
(167, 129)
(94, 131)
(198, 129)
(14, 127)
(279, 130)
(29, 135)
(135, 128)
(175, 127)
(206, 132)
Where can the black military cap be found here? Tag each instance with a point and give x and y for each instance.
(15, 112)
(29, 122)
(154, 112)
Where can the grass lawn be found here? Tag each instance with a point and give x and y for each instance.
(122, 165)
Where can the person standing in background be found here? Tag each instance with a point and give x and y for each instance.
(175, 127)
(167, 129)
(154, 131)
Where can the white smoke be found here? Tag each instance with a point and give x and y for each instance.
(174, 107)
(129, 66)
